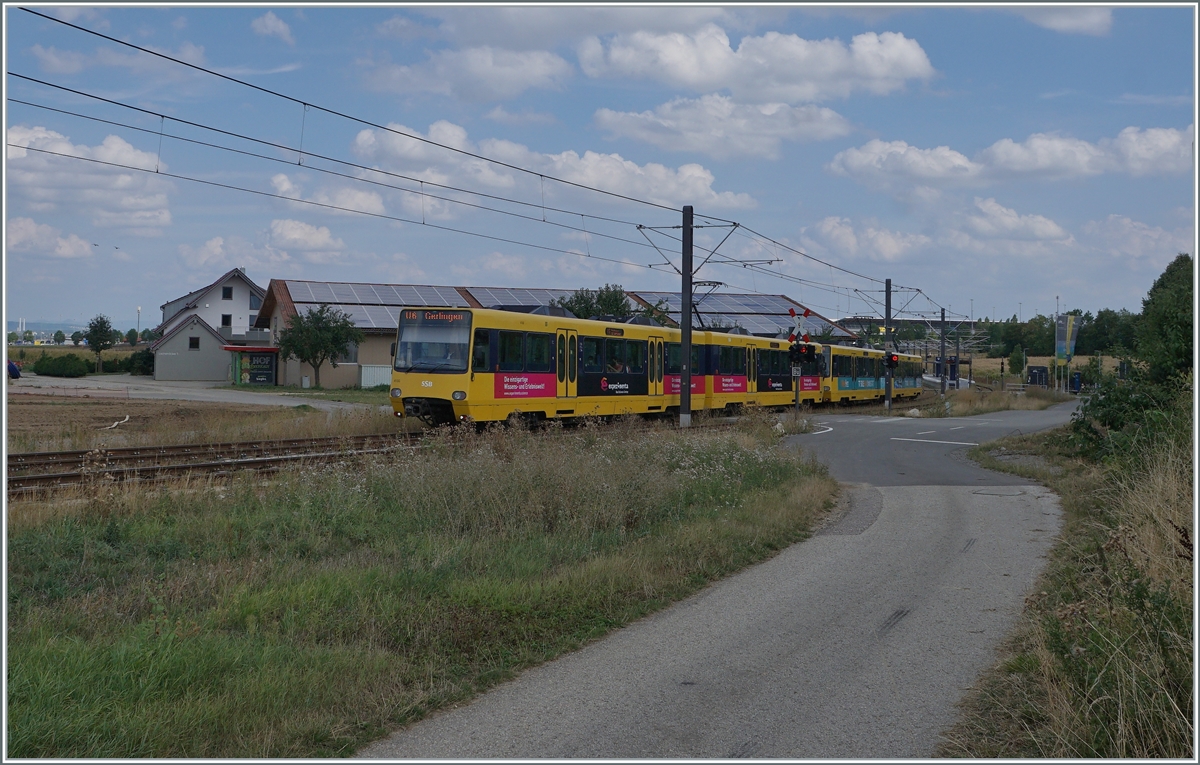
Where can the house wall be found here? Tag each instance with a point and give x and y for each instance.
(173, 360)
(210, 306)
(376, 349)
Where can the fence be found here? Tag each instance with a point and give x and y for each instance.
(371, 375)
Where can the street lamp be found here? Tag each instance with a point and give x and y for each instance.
(139, 329)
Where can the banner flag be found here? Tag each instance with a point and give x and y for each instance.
(1065, 332)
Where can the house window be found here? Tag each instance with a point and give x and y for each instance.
(193, 343)
(227, 293)
(226, 320)
(350, 356)
(255, 302)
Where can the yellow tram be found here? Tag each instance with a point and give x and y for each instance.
(486, 365)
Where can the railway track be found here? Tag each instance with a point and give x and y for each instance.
(42, 472)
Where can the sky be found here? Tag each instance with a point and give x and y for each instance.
(995, 159)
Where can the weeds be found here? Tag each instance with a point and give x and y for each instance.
(1103, 663)
(308, 615)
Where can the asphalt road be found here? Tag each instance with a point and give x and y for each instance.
(854, 644)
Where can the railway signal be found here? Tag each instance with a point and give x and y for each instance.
(892, 360)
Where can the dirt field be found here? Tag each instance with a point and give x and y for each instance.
(52, 423)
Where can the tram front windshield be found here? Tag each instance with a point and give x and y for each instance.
(433, 340)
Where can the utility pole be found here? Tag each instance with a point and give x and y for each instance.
(685, 325)
(944, 364)
(887, 335)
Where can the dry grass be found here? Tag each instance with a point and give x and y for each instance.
(306, 615)
(1102, 663)
(43, 424)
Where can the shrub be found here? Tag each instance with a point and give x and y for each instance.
(141, 362)
(69, 365)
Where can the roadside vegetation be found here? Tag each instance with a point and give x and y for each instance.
(1102, 664)
(310, 614)
(67, 423)
(964, 403)
(377, 395)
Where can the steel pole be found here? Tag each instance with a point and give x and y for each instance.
(685, 325)
(944, 364)
(887, 335)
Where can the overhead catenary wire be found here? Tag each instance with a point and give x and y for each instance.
(542, 176)
(345, 116)
(334, 173)
(283, 147)
(326, 205)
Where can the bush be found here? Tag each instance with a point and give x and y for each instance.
(141, 362)
(69, 365)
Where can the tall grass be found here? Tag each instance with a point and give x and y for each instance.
(193, 425)
(1103, 664)
(308, 615)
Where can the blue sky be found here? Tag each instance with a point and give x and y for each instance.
(994, 157)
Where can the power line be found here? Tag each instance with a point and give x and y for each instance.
(347, 116)
(344, 175)
(281, 146)
(327, 206)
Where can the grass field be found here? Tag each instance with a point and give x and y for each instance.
(309, 615)
(1102, 662)
(377, 396)
(963, 403)
(32, 352)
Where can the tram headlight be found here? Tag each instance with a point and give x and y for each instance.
(395, 392)
(459, 395)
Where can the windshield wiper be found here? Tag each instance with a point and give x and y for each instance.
(431, 369)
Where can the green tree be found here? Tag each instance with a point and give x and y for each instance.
(12, 338)
(609, 300)
(59, 337)
(131, 337)
(76, 337)
(147, 335)
(28, 337)
(317, 336)
(1165, 332)
(99, 337)
(1016, 361)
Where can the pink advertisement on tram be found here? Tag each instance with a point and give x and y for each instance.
(810, 383)
(525, 385)
(729, 384)
(673, 386)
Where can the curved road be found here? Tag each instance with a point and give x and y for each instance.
(854, 644)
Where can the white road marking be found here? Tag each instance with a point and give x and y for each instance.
(930, 441)
(926, 432)
(819, 432)
(960, 427)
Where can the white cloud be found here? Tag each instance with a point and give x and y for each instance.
(1080, 20)
(341, 201)
(1123, 237)
(773, 67)
(687, 184)
(512, 266)
(475, 74)
(221, 253)
(994, 221)
(110, 196)
(25, 235)
(520, 28)
(504, 117)
(717, 126)
(270, 25)
(838, 236)
(896, 164)
(886, 163)
(297, 235)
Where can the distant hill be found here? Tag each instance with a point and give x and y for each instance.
(69, 327)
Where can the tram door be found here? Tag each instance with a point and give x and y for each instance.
(567, 366)
(656, 366)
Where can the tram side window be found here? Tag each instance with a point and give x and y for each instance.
(480, 361)
(592, 361)
(635, 357)
(511, 356)
(614, 356)
(843, 366)
(537, 350)
(674, 358)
